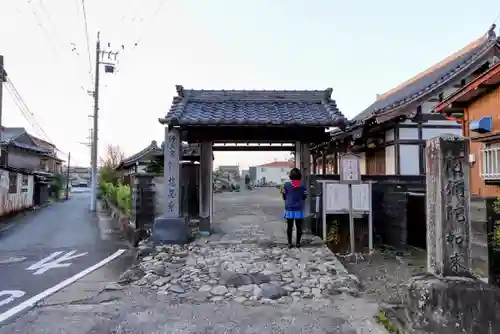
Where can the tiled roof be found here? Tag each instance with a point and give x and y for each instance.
(254, 107)
(137, 156)
(11, 133)
(431, 79)
(289, 164)
(188, 150)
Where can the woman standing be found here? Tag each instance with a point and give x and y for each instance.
(294, 194)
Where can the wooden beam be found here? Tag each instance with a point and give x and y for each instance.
(262, 148)
(230, 134)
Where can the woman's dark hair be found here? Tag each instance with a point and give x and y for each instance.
(295, 174)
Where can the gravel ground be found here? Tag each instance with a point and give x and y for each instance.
(383, 275)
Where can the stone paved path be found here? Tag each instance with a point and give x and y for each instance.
(247, 260)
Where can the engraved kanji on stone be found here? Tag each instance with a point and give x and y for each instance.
(456, 258)
(457, 167)
(172, 193)
(452, 237)
(456, 188)
(172, 141)
(171, 206)
(170, 166)
(171, 181)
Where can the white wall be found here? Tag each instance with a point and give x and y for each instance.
(390, 168)
(23, 198)
(409, 160)
(428, 133)
(389, 135)
(408, 133)
(362, 163)
(277, 175)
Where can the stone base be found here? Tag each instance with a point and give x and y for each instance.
(171, 231)
(452, 305)
(205, 229)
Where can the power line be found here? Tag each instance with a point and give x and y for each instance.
(88, 40)
(40, 25)
(158, 9)
(30, 117)
(47, 35)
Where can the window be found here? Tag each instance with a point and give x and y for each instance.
(24, 186)
(43, 165)
(12, 183)
(490, 162)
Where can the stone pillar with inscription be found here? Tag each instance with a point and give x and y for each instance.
(448, 224)
(171, 228)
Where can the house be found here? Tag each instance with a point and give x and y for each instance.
(49, 162)
(20, 150)
(390, 134)
(477, 107)
(26, 165)
(80, 176)
(273, 173)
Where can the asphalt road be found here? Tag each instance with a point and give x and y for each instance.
(44, 248)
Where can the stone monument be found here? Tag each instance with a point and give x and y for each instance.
(172, 227)
(449, 299)
(448, 224)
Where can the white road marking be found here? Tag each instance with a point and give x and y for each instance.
(13, 295)
(52, 261)
(44, 294)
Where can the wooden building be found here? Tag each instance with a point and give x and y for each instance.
(477, 107)
(390, 134)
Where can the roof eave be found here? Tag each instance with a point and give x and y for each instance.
(492, 72)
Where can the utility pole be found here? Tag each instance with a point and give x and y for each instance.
(67, 176)
(109, 67)
(93, 201)
(2, 79)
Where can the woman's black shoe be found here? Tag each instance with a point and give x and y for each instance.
(290, 246)
(297, 245)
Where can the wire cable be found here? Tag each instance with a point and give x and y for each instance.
(88, 40)
(158, 9)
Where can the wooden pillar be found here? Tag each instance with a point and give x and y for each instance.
(306, 172)
(206, 192)
(315, 164)
(336, 163)
(323, 162)
(448, 221)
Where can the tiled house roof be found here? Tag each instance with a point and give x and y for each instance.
(289, 164)
(11, 136)
(431, 79)
(253, 107)
(188, 150)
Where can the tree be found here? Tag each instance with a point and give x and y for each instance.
(107, 172)
(114, 156)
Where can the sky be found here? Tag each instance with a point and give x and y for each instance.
(358, 48)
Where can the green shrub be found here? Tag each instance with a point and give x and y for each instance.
(123, 198)
(108, 190)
